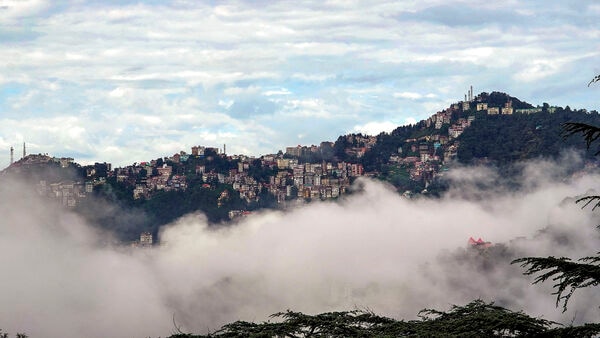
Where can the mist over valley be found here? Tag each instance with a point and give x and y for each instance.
(374, 249)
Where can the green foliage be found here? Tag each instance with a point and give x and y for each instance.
(260, 172)
(476, 319)
(399, 176)
(480, 319)
(498, 99)
(18, 335)
(567, 275)
(585, 330)
(166, 206)
(339, 148)
(508, 138)
(387, 145)
(590, 133)
(50, 171)
(265, 200)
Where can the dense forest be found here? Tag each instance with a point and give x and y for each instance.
(504, 139)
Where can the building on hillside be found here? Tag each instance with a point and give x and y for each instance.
(294, 151)
(146, 239)
(198, 151)
(140, 191)
(481, 106)
(356, 170)
(65, 161)
(493, 110)
(165, 170)
(283, 163)
(528, 110)
(507, 109)
(479, 243)
(455, 131)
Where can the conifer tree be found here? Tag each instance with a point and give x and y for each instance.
(569, 275)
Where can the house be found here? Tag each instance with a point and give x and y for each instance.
(507, 109)
(146, 239)
(479, 243)
(493, 111)
(482, 106)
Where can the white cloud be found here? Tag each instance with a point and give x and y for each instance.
(375, 128)
(16, 9)
(277, 92)
(410, 120)
(314, 108)
(339, 65)
(413, 96)
(234, 91)
(313, 77)
(408, 95)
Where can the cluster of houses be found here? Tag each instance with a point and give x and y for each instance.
(290, 178)
(312, 180)
(67, 192)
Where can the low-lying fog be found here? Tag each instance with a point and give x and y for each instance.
(374, 250)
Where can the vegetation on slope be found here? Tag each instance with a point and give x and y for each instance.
(504, 139)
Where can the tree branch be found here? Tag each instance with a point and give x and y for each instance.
(568, 275)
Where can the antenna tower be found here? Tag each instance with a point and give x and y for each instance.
(12, 155)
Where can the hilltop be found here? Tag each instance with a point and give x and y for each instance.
(491, 129)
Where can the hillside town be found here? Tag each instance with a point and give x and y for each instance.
(299, 174)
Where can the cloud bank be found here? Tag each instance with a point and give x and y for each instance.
(374, 249)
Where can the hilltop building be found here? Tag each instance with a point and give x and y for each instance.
(146, 239)
(479, 243)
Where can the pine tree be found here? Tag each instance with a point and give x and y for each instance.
(567, 274)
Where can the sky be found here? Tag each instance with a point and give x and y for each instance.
(130, 81)
(375, 250)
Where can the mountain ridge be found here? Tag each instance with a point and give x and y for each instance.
(493, 128)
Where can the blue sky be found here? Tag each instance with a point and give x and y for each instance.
(129, 81)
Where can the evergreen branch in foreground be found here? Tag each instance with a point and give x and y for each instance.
(567, 274)
(590, 133)
(476, 319)
(589, 200)
(595, 79)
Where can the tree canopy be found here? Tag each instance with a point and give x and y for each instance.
(476, 319)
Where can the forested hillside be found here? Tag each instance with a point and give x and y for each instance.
(504, 139)
(493, 129)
